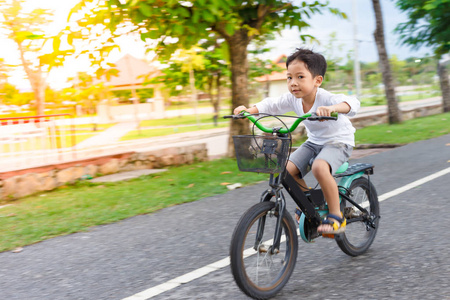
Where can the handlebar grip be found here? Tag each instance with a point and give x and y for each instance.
(240, 116)
(314, 117)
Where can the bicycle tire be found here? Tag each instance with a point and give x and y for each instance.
(359, 236)
(244, 259)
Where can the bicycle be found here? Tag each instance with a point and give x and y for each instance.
(264, 244)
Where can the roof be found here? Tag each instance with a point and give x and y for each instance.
(275, 76)
(132, 71)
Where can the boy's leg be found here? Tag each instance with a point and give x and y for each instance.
(321, 171)
(293, 170)
(298, 165)
(330, 158)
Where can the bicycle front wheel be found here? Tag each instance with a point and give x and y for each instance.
(361, 227)
(258, 272)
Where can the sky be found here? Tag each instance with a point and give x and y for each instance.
(323, 25)
(321, 28)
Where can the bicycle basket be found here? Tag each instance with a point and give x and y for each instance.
(261, 154)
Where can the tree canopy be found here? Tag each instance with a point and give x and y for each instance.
(170, 25)
(428, 24)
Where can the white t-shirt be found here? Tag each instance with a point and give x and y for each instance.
(320, 133)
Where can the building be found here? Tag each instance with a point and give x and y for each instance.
(132, 75)
(275, 83)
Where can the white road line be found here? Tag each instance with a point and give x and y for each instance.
(188, 277)
(413, 185)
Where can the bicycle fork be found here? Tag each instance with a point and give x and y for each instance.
(280, 205)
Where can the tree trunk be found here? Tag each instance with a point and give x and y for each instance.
(389, 86)
(215, 100)
(445, 87)
(239, 76)
(38, 88)
(194, 97)
(217, 104)
(37, 81)
(212, 98)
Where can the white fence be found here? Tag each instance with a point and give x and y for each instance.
(38, 140)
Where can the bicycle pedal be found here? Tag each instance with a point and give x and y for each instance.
(328, 236)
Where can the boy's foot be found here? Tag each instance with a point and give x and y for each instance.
(332, 224)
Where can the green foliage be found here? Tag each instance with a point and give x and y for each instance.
(182, 24)
(85, 92)
(260, 67)
(428, 24)
(173, 25)
(377, 94)
(8, 94)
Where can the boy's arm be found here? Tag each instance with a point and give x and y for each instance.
(252, 110)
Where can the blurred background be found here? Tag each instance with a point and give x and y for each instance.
(90, 66)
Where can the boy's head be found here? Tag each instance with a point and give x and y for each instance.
(315, 62)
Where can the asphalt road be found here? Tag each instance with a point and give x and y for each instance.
(410, 258)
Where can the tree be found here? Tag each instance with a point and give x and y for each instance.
(26, 30)
(182, 24)
(429, 24)
(215, 72)
(192, 60)
(397, 70)
(394, 113)
(85, 91)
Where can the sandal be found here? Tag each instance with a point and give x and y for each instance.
(336, 228)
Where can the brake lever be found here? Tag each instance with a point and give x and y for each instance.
(238, 116)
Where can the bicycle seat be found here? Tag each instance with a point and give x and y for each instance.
(356, 168)
(342, 168)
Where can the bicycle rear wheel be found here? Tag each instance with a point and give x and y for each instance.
(259, 273)
(361, 228)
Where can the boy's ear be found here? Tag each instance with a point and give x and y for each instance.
(318, 80)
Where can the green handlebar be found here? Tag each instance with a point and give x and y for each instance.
(282, 130)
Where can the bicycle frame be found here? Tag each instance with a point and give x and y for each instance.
(312, 207)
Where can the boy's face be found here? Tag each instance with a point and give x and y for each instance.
(301, 82)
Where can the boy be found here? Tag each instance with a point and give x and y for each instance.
(329, 143)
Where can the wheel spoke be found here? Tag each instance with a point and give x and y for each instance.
(359, 234)
(262, 272)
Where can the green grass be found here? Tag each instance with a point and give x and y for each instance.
(82, 205)
(76, 208)
(408, 132)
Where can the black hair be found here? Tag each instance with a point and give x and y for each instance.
(315, 62)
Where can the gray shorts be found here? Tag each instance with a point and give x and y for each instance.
(334, 154)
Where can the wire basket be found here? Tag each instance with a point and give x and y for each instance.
(261, 154)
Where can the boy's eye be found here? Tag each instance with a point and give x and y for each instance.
(289, 77)
(301, 76)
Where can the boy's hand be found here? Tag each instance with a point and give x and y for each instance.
(325, 111)
(238, 109)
